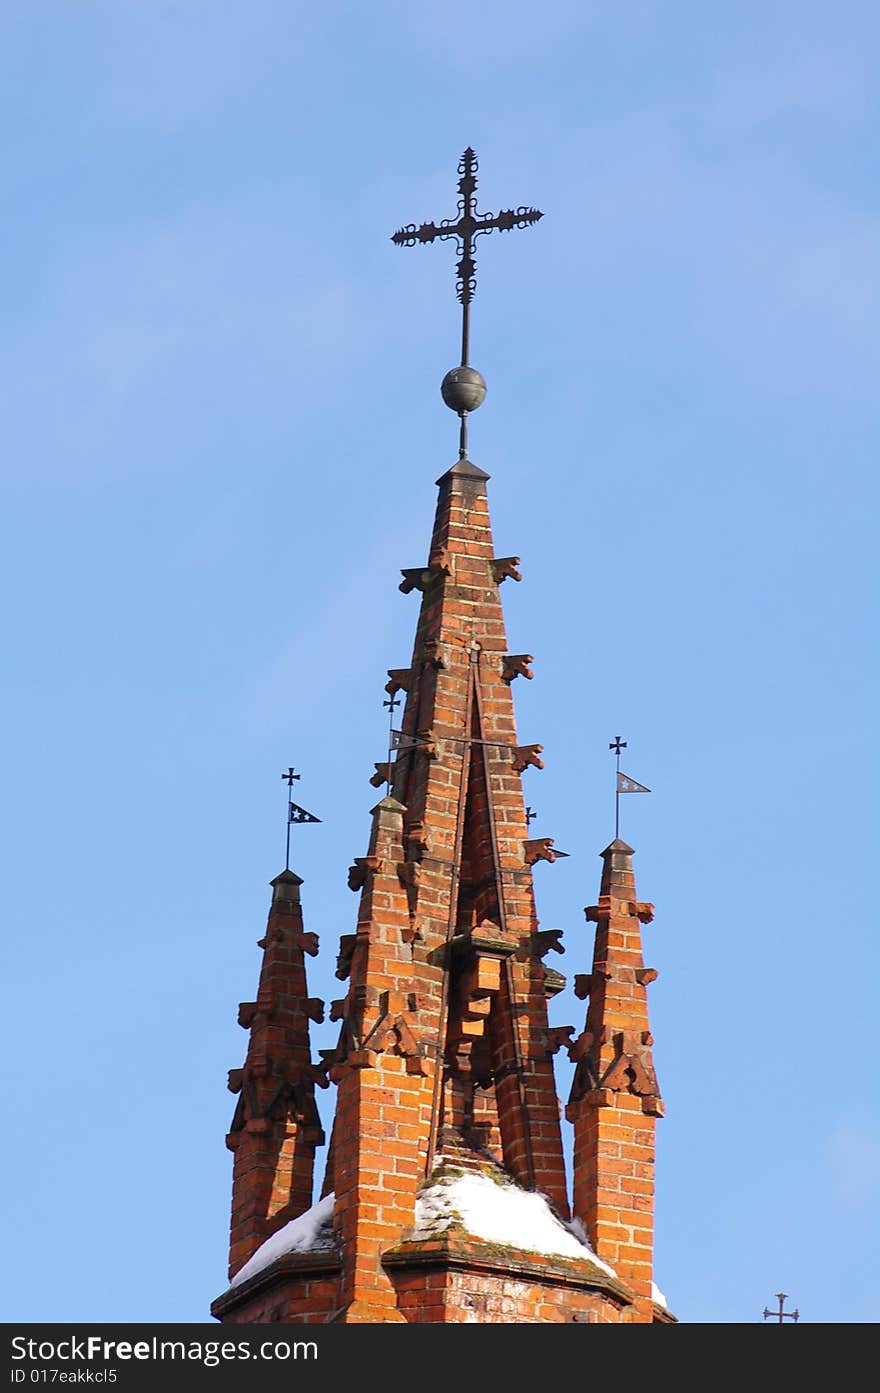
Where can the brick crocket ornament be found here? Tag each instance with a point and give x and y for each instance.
(445, 1195)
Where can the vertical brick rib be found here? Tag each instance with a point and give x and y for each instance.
(383, 1103)
(455, 881)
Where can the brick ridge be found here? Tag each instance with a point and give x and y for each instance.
(288, 1264)
(451, 1249)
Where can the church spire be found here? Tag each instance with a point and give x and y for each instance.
(276, 1127)
(615, 1097)
(444, 1059)
(469, 853)
(463, 388)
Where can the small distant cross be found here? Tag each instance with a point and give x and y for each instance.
(530, 815)
(289, 778)
(781, 1315)
(392, 702)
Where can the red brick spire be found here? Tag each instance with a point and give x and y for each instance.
(446, 961)
(445, 1056)
(276, 1126)
(615, 1097)
(476, 953)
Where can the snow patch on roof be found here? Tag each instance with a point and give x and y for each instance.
(500, 1212)
(310, 1232)
(658, 1297)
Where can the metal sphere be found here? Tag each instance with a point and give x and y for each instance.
(463, 389)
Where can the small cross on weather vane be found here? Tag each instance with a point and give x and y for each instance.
(623, 784)
(463, 389)
(392, 702)
(294, 812)
(781, 1315)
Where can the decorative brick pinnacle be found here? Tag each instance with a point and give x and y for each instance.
(615, 1096)
(275, 1127)
(443, 1028)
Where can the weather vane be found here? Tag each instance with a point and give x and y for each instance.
(392, 702)
(624, 783)
(294, 812)
(464, 389)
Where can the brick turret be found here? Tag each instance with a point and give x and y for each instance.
(276, 1125)
(444, 1062)
(615, 1098)
(476, 955)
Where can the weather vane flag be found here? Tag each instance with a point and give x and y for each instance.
(463, 388)
(294, 812)
(624, 783)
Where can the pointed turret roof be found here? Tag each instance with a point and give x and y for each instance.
(615, 1097)
(276, 1127)
(467, 851)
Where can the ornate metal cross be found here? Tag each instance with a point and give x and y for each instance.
(463, 391)
(468, 226)
(781, 1315)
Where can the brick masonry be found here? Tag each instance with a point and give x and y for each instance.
(444, 1031)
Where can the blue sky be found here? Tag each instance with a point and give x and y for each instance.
(222, 425)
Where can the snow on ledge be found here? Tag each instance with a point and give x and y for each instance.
(500, 1212)
(311, 1232)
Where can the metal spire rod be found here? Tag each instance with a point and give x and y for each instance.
(294, 812)
(463, 388)
(392, 703)
(617, 746)
(289, 779)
